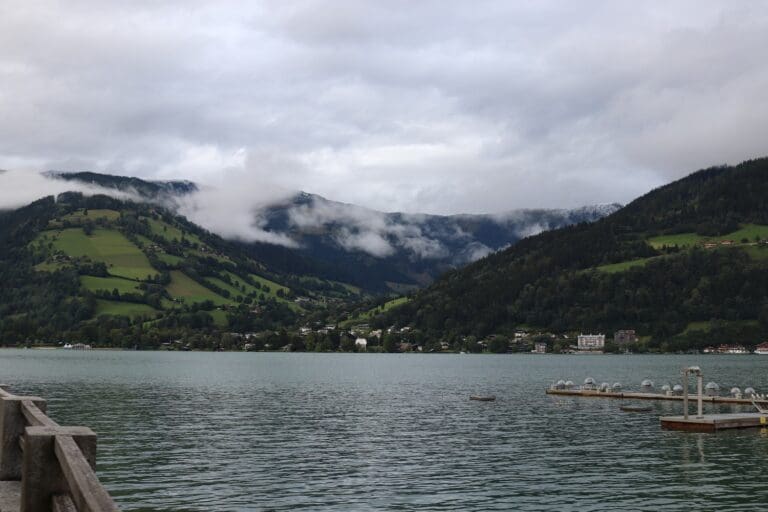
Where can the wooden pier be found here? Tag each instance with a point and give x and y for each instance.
(589, 393)
(700, 422)
(45, 467)
(714, 422)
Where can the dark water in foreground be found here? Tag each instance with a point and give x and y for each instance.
(225, 432)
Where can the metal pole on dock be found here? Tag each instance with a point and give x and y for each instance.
(685, 393)
(700, 386)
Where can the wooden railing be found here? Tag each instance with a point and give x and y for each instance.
(55, 464)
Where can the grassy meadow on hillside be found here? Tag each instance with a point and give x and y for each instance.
(183, 287)
(111, 247)
(111, 307)
(108, 284)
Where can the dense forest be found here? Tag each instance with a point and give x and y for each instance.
(685, 265)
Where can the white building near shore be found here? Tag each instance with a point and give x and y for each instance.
(591, 341)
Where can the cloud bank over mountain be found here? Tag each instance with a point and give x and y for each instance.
(459, 238)
(432, 106)
(19, 188)
(243, 209)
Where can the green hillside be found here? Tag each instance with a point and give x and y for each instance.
(694, 252)
(368, 315)
(185, 289)
(115, 308)
(109, 246)
(106, 271)
(107, 284)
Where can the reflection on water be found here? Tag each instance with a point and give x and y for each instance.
(252, 431)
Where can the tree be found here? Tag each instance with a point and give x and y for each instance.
(498, 345)
(391, 342)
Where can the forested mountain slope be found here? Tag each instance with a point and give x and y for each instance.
(686, 264)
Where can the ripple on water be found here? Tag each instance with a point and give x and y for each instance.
(236, 432)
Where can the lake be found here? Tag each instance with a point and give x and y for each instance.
(267, 431)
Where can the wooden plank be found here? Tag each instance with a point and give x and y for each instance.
(34, 416)
(688, 427)
(63, 503)
(5, 392)
(87, 492)
(714, 422)
(651, 396)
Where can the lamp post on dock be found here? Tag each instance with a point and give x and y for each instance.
(699, 389)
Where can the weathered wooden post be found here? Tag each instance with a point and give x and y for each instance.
(56, 465)
(12, 423)
(699, 386)
(43, 474)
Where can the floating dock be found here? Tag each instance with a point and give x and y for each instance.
(590, 393)
(714, 422)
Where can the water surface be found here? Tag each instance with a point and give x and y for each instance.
(265, 431)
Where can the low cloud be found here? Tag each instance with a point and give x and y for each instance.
(472, 252)
(367, 241)
(19, 188)
(231, 208)
(356, 228)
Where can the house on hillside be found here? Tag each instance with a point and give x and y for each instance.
(732, 349)
(539, 347)
(624, 336)
(591, 341)
(361, 344)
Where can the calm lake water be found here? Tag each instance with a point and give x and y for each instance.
(257, 431)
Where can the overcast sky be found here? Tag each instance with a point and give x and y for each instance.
(438, 107)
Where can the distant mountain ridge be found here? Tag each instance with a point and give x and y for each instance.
(409, 249)
(378, 251)
(149, 189)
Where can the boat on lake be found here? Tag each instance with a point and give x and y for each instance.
(480, 398)
(635, 408)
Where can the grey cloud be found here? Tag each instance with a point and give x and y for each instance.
(357, 228)
(231, 209)
(19, 188)
(433, 106)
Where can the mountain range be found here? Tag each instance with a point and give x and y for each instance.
(685, 265)
(376, 251)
